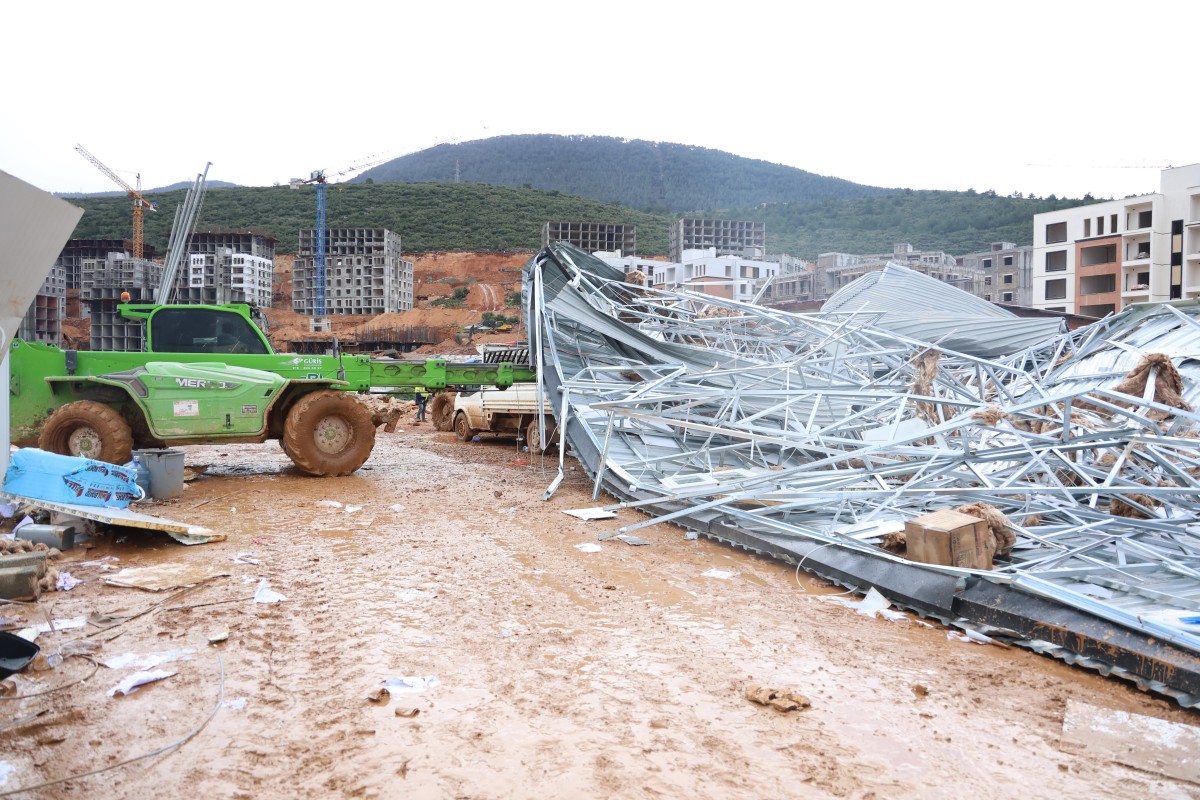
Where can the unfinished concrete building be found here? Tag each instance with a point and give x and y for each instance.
(835, 270)
(364, 273)
(228, 266)
(77, 251)
(1001, 274)
(593, 236)
(729, 237)
(43, 320)
(102, 282)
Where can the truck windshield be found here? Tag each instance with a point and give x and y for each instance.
(203, 330)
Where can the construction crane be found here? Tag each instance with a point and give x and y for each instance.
(321, 179)
(140, 203)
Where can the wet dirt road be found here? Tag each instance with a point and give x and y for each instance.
(560, 673)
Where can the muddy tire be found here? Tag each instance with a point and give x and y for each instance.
(441, 410)
(533, 438)
(328, 433)
(463, 429)
(89, 429)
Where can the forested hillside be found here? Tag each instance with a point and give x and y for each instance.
(956, 222)
(442, 217)
(653, 176)
(428, 217)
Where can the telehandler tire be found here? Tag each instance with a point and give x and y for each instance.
(89, 429)
(328, 433)
(441, 409)
(463, 429)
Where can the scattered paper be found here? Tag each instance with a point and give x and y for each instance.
(410, 684)
(6, 768)
(631, 540)
(24, 521)
(130, 684)
(872, 605)
(148, 660)
(397, 508)
(590, 513)
(969, 636)
(66, 582)
(352, 509)
(99, 562)
(7, 510)
(328, 504)
(723, 574)
(266, 594)
(31, 633)
(218, 636)
(691, 536)
(588, 547)
(236, 703)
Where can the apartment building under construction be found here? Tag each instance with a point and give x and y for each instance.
(364, 273)
(728, 237)
(228, 266)
(43, 321)
(593, 236)
(103, 281)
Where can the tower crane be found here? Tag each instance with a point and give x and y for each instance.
(140, 203)
(321, 179)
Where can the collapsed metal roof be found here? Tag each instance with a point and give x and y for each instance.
(918, 306)
(814, 437)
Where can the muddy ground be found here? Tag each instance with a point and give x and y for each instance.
(560, 673)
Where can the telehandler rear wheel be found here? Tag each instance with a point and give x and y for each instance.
(442, 411)
(329, 433)
(89, 429)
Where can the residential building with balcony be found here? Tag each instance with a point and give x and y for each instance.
(1097, 259)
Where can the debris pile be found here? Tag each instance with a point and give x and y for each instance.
(817, 438)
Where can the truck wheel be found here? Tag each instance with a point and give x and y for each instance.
(89, 429)
(329, 433)
(533, 438)
(463, 429)
(442, 411)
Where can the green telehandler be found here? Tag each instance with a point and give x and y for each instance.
(208, 375)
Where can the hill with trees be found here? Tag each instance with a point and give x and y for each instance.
(653, 176)
(596, 179)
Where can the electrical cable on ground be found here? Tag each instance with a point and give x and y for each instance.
(158, 752)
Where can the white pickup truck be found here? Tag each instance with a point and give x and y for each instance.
(512, 411)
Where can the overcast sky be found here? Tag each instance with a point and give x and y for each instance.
(1048, 97)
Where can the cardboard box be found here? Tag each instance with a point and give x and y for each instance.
(950, 539)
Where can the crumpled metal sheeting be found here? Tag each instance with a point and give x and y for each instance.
(812, 428)
(921, 307)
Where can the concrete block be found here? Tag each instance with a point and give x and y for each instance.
(60, 536)
(37, 559)
(18, 583)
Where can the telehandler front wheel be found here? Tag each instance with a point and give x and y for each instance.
(329, 433)
(89, 429)
(441, 409)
